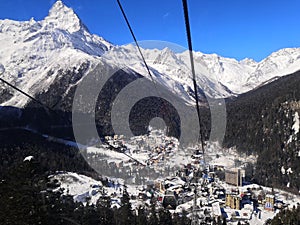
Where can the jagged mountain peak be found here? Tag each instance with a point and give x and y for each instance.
(248, 61)
(166, 56)
(60, 9)
(167, 50)
(63, 17)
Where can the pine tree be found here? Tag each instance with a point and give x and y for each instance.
(104, 210)
(125, 215)
(153, 220)
(164, 217)
(90, 216)
(141, 217)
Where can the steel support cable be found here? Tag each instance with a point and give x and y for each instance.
(140, 52)
(27, 95)
(139, 49)
(134, 38)
(189, 39)
(49, 109)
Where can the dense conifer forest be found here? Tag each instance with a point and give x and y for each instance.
(260, 122)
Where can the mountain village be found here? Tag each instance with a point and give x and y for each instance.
(156, 173)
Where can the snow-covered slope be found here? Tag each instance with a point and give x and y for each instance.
(34, 54)
(216, 75)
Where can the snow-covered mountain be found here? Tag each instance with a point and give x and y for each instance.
(216, 75)
(36, 54)
(33, 54)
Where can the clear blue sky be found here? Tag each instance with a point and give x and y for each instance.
(231, 28)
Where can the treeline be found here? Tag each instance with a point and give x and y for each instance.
(16, 144)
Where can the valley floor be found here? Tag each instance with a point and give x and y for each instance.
(171, 179)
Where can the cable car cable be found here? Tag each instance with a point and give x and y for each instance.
(189, 39)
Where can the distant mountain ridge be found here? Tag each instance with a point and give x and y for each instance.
(35, 54)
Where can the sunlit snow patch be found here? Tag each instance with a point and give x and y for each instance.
(28, 158)
(296, 123)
